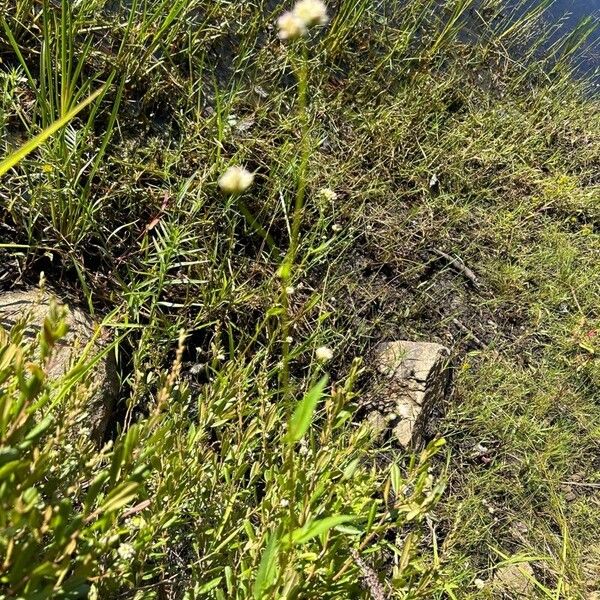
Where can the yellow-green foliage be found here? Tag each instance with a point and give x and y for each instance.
(61, 498)
(223, 505)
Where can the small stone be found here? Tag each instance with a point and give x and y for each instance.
(568, 493)
(377, 424)
(590, 570)
(32, 306)
(515, 580)
(404, 432)
(416, 380)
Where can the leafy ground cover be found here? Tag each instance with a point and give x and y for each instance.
(386, 140)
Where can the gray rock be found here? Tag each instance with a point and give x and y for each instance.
(416, 380)
(31, 306)
(377, 424)
(514, 581)
(590, 570)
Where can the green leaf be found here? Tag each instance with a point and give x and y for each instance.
(372, 516)
(211, 585)
(315, 528)
(8, 454)
(349, 530)
(10, 356)
(120, 496)
(396, 479)
(39, 429)
(10, 467)
(94, 490)
(303, 414)
(12, 159)
(123, 452)
(350, 469)
(267, 569)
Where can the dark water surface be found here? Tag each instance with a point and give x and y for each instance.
(577, 8)
(571, 12)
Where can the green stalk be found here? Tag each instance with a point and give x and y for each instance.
(290, 257)
(286, 271)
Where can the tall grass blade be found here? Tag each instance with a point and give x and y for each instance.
(316, 528)
(12, 159)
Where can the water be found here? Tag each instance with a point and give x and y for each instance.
(572, 12)
(578, 9)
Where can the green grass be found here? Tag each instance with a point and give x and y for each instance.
(121, 210)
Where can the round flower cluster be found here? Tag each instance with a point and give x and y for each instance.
(235, 180)
(305, 14)
(328, 195)
(323, 354)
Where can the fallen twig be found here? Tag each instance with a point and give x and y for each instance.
(595, 486)
(136, 509)
(459, 266)
(466, 330)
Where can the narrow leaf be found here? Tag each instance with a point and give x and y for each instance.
(311, 530)
(120, 496)
(211, 585)
(12, 159)
(267, 570)
(303, 414)
(396, 479)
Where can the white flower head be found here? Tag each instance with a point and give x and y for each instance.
(328, 195)
(290, 26)
(126, 552)
(336, 227)
(324, 354)
(311, 12)
(236, 180)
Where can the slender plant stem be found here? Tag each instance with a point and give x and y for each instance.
(304, 157)
(286, 278)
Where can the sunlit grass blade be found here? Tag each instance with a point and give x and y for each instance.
(319, 527)
(14, 158)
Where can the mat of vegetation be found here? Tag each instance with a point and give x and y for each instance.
(413, 170)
